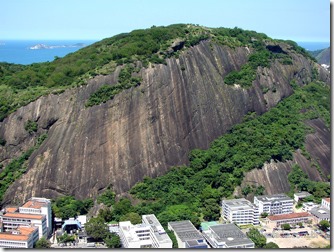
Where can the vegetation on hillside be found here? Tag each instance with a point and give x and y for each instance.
(17, 167)
(21, 84)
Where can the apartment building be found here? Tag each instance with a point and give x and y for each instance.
(11, 221)
(274, 204)
(240, 211)
(135, 236)
(159, 237)
(21, 237)
(187, 235)
(227, 236)
(40, 206)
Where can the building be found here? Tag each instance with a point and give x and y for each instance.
(307, 206)
(21, 237)
(71, 225)
(301, 195)
(274, 221)
(159, 237)
(135, 236)
(326, 203)
(41, 206)
(274, 204)
(227, 236)
(240, 211)
(320, 213)
(12, 221)
(187, 235)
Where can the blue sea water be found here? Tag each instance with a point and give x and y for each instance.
(17, 51)
(313, 46)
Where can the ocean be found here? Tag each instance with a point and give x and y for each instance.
(19, 52)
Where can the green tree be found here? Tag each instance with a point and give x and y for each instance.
(259, 239)
(134, 218)
(270, 245)
(97, 228)
(286, 226)
(324, 225)
(43, 243)
(107, 198)
(113, 241)
(264, 215)
(106, 214)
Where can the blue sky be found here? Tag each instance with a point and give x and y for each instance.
(299, 20)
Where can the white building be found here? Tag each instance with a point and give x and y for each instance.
(300, 195)
(39, 206)
(326, 203)
(22, 237)
(135, 236)
(308, 206)
(227, 236)
(12, 221)
(159, 237)
(240, 211)
(274, 204)
(187, 235)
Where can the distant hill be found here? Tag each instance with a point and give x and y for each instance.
(323, 56)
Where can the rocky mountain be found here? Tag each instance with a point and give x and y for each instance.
(180, 104)
(322, 56)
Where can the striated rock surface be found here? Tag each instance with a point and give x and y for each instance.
(274, 176)
(144, 130)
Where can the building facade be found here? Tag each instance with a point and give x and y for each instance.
(135, 236)
(11, 221)
(187, 235)
(240, 211)
(320, 213)
(274, 204)
(300, 195)
(159, 237)
(227, 236)
(326, 203)
(41, 206)
(22, 237)
(292, 218)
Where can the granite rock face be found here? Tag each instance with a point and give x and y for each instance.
(144, 130)
(274, 175)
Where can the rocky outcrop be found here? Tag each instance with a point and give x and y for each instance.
(274, 175)
(144, 130)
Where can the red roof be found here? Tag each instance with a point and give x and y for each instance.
(288, 216)
(24, 216)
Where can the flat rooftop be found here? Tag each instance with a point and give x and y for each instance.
(302, 194)
(321, 212)
(24, 216)
(185, 230)
(158, 230)
(229, 234)
(288, 216)
(23, 234)
(274, 197)
(239, 204)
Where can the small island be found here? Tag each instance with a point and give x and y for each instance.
(43, 46)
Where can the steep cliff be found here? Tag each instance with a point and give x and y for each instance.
(144, 130)
(274, 175)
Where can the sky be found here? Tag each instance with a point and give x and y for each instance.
(298, 20)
